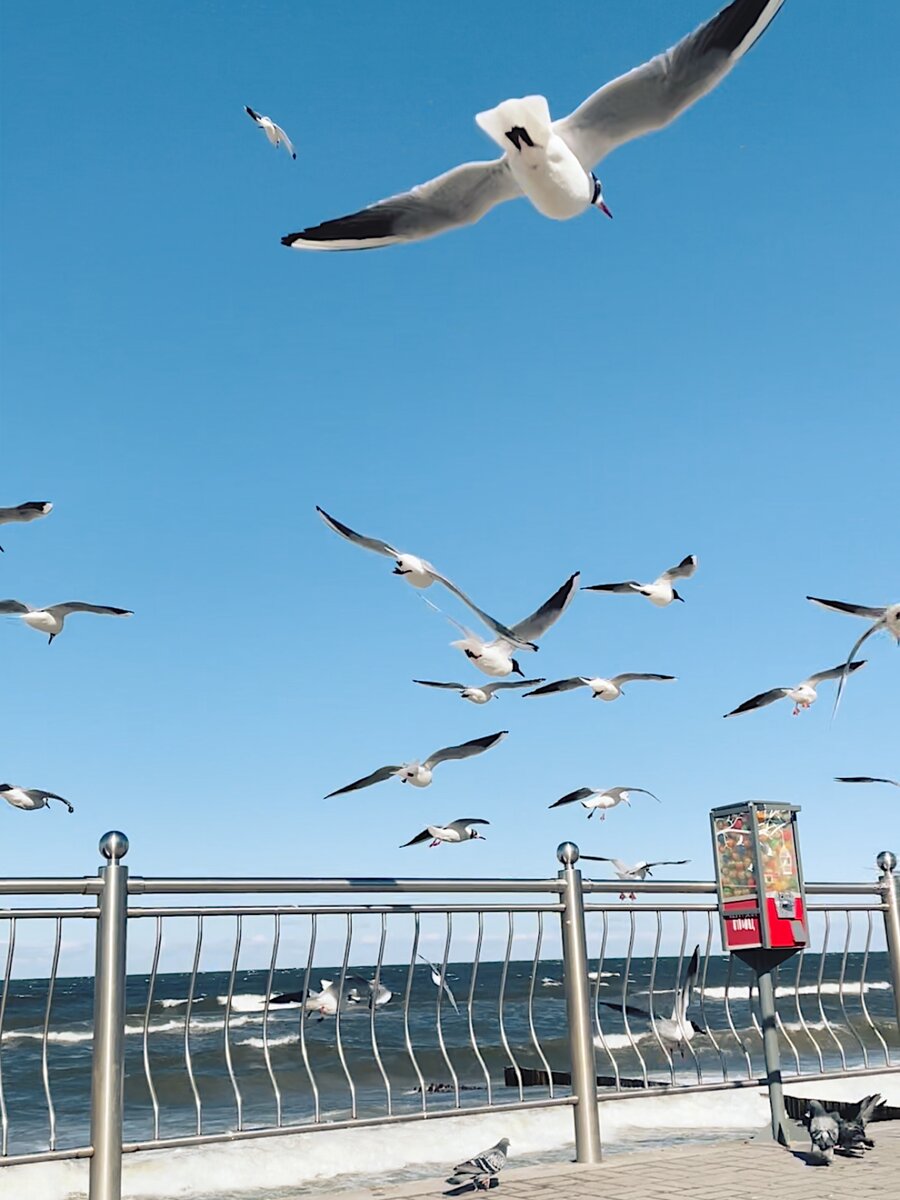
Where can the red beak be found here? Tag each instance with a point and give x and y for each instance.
(604, 209)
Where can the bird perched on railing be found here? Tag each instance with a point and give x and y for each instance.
(482, 1168)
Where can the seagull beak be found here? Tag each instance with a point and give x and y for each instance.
(602, 206)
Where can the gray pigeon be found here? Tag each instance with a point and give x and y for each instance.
(824, 1130)
(480, 1170)
(852, 1134)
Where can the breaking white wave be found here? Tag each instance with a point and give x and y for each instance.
(176, 1003)
(547, 982)
(258, 1043)
(808, 989)
(620, 1041)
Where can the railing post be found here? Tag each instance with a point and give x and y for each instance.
(108, 1070)
(578, 1009)
(890, 891)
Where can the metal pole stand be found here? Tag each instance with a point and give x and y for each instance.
(764, 962)
(887, 863)
(108, 1070)
(578, 1009)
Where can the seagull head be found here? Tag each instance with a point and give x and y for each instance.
(516, 669)
(474, 834)
(597, 198)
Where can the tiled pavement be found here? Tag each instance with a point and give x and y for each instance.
(755, 1169)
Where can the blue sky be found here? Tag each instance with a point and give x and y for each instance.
(713, 372)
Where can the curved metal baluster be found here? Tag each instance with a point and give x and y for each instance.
(376, 982)
(313, 927)
(688, 1042)
(625, 977)
(849, 919)
(862, 991)
(800, 1016)
(45, 1065)
(728, 1017)
(7, 976)
(780, 1025)
(538, 941)
(502, 996)
(238, 1098)
(337, 1016)
(827, 1023)
(650, 1005)
(151, 987)
(600, 1034)
(410, 975)
(476, 959)
(188, 1062)
(723, 1061)
(440, 997)
(276, 940)
(754, 1020)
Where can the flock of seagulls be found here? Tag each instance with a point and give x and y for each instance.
(49, 620)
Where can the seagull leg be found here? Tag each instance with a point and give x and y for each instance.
(796, 712)
(633, 896)
(436, 842)
(50, 639)
(621, 895)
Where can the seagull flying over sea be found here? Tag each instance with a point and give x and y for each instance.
(601, 689)
(676, 1031)
(440, 981)
(456, 832)
(803, 694)
(481, 1169)
(639, 871)
(496, 657)
(273, 132)
(30, 799)
(887, 618)
(419, 773)
(21, 513)
(357, 992)
(551, 162)
(864, 779)
(483, 692)
(660, 592)
(603, 799)
(418, 572)
(51, 619)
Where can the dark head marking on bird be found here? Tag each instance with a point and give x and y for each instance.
(597, 197)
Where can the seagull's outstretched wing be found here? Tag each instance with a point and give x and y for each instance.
(540, 621)
(855, 610)
(424, 836)
(441, 983)
(358, 539)
(284, 139)
(631, 1009)
(864, 779)
(759, 701)
(626, 588)
(492, 623)
(458, 197)
(456, 687)
(572, 797)
(13, 606)
(76, 606)
(684, 570)
(35, 793)
(29, 511)
(666, 862)
(618, 791)
(559, 685)
(633, 678)
(653, 95)
(466, 750)
(501, 685)
(461, 824)
(835, 672)
(685, 993)
(378, 776)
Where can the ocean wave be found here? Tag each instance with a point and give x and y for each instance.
(807, 989)
(257, 1043)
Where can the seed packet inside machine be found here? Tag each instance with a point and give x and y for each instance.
(759, 876)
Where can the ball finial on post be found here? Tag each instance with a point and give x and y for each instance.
(114, 845)
(887, 861)
(567, 853)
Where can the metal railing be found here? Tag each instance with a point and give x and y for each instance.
(473, 998)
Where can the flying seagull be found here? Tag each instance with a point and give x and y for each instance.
(51, 619)
(803, 694)
(639, 871)
(481, 1169)
(30, 799)
(20, 513)
(550, 162)
(660, 592)
(603, 799)
(883, 618)
(601, 689)
(357, 992)
(676, 1031)
(439, 980)
(273, 132)
(496, 657)
(864, 779)
(483, 692)
(417, 571)
(419, 773)
(457, 831)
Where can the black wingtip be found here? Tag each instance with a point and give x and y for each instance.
(289, 239)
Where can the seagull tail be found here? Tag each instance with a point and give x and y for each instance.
(516, 124)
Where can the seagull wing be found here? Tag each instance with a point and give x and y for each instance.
(572, 797)
(617, 791)
(458, 197)
(619, 679)
(458, 687)
(631, 1009)
(492, 623)
(13, 606)
(759, 701)
(466, 750)
(424, 836)
(378, 776)
(539, 622)
(684, 570)
(463, 823)
(436, 980)
(864, 779)
(367, 543)
(252, 113)
(835, 672)
(76, 606)
(855, 610)
(667, 862)
(285, 140)
(686, 991)
(560, 685)
(652, 95)
(625, 589)
(848, 665)
(502, 685)
(29, 511)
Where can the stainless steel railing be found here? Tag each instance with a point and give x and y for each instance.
(478, 1028)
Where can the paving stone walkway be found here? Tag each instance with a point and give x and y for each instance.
(755, 1169)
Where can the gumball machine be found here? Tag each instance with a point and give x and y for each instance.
(762, 910)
